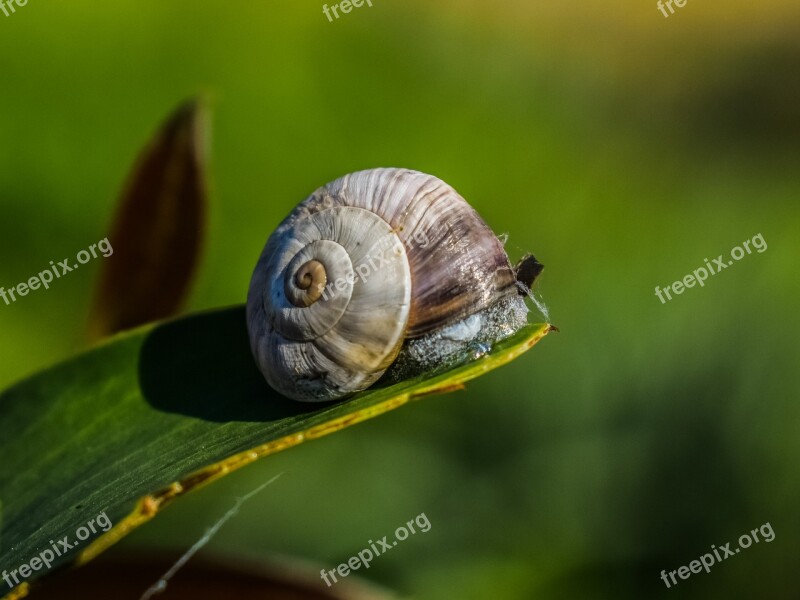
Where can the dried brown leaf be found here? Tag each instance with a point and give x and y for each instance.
(158, 229)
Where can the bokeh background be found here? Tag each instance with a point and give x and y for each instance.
(621, 147)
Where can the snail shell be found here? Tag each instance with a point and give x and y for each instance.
(372, 264)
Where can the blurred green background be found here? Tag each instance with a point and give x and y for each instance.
(621, 147)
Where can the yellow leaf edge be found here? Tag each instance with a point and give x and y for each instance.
(149, 506)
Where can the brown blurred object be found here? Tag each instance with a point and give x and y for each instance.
(128, 576)
(158, 230)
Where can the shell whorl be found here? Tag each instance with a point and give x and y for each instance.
(307, 283)
(364, 263)
(462, 267)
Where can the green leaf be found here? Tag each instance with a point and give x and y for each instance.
(158, 230)
(152, 414)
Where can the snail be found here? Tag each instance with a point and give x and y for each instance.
(384, 272)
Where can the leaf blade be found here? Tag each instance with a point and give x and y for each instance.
(152, 414)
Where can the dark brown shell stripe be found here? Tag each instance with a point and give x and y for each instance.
(462, 269)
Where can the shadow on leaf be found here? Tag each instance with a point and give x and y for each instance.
(201, 382)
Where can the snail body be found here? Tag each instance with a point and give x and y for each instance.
(384, 269)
